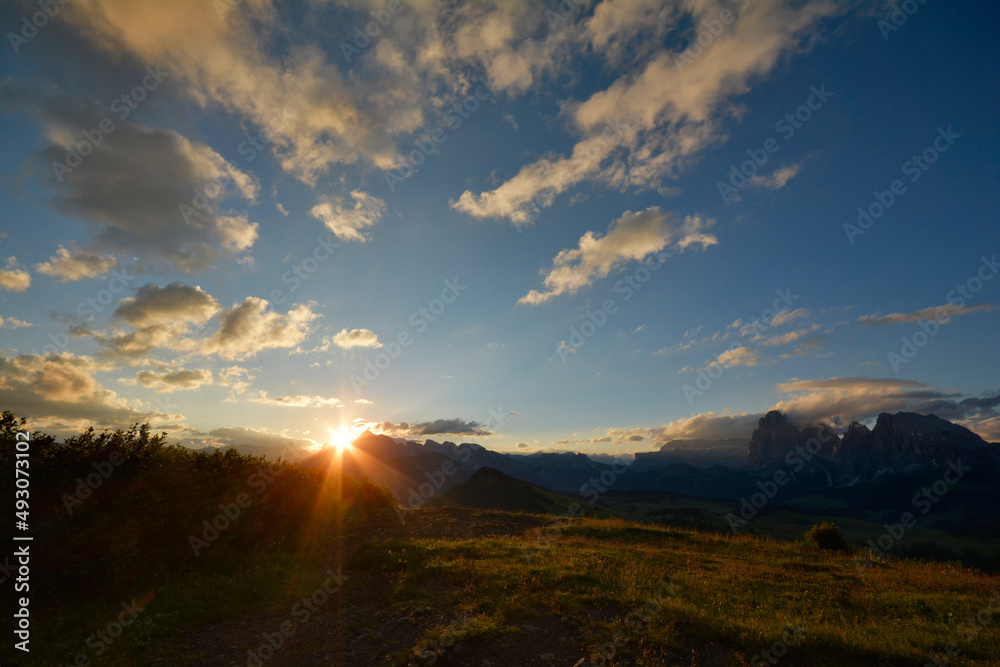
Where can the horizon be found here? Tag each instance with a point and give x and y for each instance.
(528, 226)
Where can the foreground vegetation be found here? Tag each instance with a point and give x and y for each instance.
(443, 585)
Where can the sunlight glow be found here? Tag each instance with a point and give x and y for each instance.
(341, 438)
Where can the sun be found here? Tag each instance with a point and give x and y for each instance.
(341, 438)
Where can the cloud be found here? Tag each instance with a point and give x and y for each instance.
(250, 327)
(648, 124)
(789, 337)
(841, 400)
(632, 237)
(14, 323)
(299, 401)
(437, 427)
(739, 356)
(137, 187)
(13, 278)
(522, 445)
(176, 317)
(244, 435)
(67, 266)
(708, 426)
(940, 313)
(354, 338)
(176, 380)
(346, 221)
(63, 387)
(175, 303)
(157, 317)
(785, 316)
(777, 180)
(236, 378)
(838, 401)
(314, 115)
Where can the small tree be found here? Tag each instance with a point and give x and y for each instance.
(828, 537)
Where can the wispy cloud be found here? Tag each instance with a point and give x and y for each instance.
(632, 237)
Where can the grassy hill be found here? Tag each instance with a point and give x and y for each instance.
(491, 489)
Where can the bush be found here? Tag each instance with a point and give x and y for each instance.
(828, 537)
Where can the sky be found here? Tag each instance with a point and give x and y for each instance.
(587, 226)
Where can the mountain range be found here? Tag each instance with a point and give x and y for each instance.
(814, 456)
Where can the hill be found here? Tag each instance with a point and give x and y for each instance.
(491, 489)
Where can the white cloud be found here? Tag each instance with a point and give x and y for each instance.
(67, 266)
(236, 378)
(739, 356)
(647, 125)
(777, 180)
(14, 323)
(632, 237)
(314, 115)
(298, 401)
(347, 339)
(789, 337)
(13, 278)
(786, 316)
(250, 327)
(347, 222)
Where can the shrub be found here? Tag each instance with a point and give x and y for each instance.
(828, 537)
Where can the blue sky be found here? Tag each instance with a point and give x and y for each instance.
(498, 222)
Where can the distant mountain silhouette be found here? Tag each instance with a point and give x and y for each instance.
(814, 455)
(491, 489)
(905, 442)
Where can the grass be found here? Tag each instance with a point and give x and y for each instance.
(742, 592)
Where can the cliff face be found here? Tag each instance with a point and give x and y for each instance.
(776, 437)
(905, 440)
